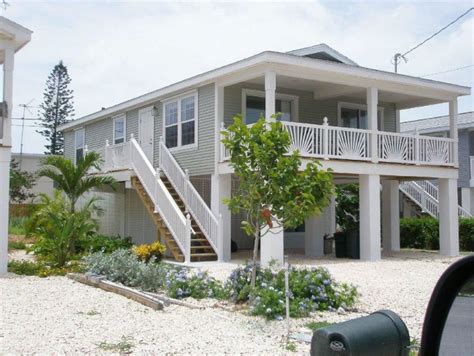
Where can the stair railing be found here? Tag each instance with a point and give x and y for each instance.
(165, 205)
(193, 201)
(425, 195)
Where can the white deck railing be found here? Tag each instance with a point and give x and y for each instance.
(193, 201)
(334, 142)
(425, 195)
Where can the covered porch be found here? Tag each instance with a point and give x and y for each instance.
(350, 122)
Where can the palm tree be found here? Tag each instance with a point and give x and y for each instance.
(73, 180)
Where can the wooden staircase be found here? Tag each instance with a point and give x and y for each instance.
(201, 250)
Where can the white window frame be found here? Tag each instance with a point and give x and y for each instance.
(294, 99)
(177, 99)
(115, 119)
(83, 142)
(348, 105)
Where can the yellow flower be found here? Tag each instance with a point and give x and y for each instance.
(147, 251)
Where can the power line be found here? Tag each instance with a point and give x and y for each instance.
(398, 56)
(447, 71)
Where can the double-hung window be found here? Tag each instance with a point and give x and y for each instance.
(79, 144)
(119, 129)
(180, 119)
(254, 106)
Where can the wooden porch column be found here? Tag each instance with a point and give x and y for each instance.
(372, 103)
(221, 186)
(270, 88)
(453, 128)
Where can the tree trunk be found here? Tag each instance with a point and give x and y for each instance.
(254, 260)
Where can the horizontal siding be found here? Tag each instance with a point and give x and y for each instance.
(464, 159)
(310, 110)
(98, 132)
(69, 144)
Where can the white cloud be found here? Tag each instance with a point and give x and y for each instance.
(115, 51)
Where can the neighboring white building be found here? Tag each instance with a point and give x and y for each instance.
(12, 38)
(336, 111)
(30, 162)
(439, 127)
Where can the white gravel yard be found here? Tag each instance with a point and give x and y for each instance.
(57, 315)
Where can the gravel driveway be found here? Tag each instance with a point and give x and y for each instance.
(57, 315)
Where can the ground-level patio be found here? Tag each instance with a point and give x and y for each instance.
(56, 314)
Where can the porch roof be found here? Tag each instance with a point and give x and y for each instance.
(414, 91)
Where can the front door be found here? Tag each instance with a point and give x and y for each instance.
(146, 131)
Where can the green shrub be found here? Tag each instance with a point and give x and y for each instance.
(423, 233)
(311, 289)
(41, 269)
(107, 244)
(16, 245)
(58, 228)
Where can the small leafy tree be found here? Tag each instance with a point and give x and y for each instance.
(73, 180)
(273, 192)
(20, 183)
(57, 108)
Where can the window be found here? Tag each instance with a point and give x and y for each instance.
(79, 141)
(119, 129)
(355, 116)
(180, 122)
(254, 106)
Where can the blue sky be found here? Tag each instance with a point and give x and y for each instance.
(118, 50)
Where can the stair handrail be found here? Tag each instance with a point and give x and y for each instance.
(428, 197)
(176, 222)
(193, 201)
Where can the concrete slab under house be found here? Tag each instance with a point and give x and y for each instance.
(165, 149)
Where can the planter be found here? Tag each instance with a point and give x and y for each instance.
(340, 238)
(353, 244)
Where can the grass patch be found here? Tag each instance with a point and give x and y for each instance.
(89, 313)
(16, 225)
(290, 346)
(314, 325)
(16, 245)
(41, 269)
(124, 346)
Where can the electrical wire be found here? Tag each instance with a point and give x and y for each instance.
(447, 71)
(438, 32)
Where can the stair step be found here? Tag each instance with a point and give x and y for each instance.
(203, 255)
(201, 247)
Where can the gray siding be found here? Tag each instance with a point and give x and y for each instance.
(69, 144)
(200, 160)
(98, 132)
(464, 160)
(132, 123)
(310, 110)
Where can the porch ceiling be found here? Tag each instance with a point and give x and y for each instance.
(325, 90)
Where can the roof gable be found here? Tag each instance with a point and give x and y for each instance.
(324, 52)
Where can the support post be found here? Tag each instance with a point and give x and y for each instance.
(390, 216)
(315, 229)
(369, 210)
(5, 157)
(372, 121)
(453, 129)
(270, 89)
(272, 247)
(221, 185)
(448, 217)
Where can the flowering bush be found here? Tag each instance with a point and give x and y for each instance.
(147, 251)
(311, 290)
